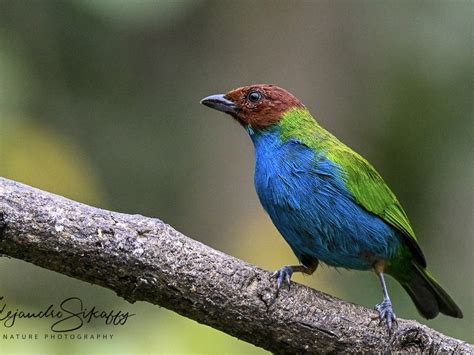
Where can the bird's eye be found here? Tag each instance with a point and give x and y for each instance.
(254, 96)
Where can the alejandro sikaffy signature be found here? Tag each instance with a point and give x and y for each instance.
(71, 315)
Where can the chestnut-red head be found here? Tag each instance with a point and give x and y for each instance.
(257, 106)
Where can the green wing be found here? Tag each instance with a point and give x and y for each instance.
(370, 191)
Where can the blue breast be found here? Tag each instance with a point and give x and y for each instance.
(306, 198)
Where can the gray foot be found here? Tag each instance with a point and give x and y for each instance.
(386, 313)
(283, 275)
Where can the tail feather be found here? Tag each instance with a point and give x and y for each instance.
(429, 298)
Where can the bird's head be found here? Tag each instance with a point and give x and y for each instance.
(255, 106)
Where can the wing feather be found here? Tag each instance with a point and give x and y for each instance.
(371, 192)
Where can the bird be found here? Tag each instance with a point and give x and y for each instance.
(327, 201)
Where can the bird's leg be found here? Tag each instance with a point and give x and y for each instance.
(284, 273)
(385, 308)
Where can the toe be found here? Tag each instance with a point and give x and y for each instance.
(288, 279)
(283, 275)
(386, 313)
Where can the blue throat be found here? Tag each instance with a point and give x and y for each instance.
(306, 198)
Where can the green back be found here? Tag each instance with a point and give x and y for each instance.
(361, 179)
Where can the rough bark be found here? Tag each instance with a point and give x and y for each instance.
(144, 259)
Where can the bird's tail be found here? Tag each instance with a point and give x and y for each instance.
(427, 294)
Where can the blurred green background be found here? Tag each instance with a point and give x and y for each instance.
(99, 102)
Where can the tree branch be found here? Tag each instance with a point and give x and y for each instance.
(144, 259)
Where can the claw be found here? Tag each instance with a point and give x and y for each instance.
(283, 274)
(386, 313)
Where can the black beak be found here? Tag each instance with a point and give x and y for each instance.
(220, 103)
